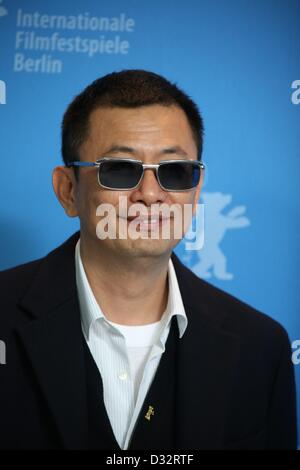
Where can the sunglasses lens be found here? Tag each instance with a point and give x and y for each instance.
(179, 176)
(119, 174)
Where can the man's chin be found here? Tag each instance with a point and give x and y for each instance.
(146, 247)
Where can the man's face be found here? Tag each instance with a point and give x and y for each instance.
(150, 134)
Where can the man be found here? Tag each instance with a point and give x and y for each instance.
(111, 342)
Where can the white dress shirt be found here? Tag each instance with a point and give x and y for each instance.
(127, 356)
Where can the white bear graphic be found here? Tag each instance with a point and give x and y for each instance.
(211, 260)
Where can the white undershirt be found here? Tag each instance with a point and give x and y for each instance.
(139, 341)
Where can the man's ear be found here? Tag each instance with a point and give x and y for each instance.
(64, 185)
(197, 192)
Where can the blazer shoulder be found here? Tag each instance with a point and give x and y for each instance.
(18, 275)
(17, 281)
(220, 307)
(16, 278)
(14, 283)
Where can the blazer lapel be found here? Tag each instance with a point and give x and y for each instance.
(53, 343)
(206, 362)
(190, 392)
(207, 357)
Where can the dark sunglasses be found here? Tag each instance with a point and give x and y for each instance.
(125, 173)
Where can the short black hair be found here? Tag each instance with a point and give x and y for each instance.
(125, 89)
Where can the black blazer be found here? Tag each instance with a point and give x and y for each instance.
(234, 383)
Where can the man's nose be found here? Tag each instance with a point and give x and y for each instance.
(149, 190)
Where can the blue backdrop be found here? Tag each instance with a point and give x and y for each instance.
(239, 60)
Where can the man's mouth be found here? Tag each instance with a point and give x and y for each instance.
(148, 222)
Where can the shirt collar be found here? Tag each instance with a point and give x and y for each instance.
(91, 311)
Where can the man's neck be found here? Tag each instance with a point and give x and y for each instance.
(133, 291)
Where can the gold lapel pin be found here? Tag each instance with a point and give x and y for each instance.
(149, 413)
